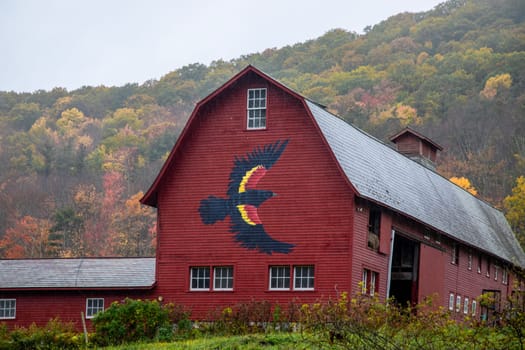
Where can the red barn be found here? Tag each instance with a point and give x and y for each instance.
(348, 209)
(268, 196)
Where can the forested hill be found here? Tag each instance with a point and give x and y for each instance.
(74, 163)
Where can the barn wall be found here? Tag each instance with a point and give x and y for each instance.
(313, 209)
(365, 257)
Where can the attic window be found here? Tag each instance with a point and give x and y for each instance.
(256, 109)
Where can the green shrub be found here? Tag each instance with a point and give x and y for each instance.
(132, 321)
(54, 336)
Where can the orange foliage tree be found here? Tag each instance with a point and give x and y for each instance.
(26, 239)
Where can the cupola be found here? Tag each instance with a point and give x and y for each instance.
(417, 147)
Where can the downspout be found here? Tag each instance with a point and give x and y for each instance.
(390, 264)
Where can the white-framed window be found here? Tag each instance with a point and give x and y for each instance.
(279, 277)
(303, 277)
(223, 278)
(451, 298)
(469, 261)
(465, 306)
(256, 109)
(93, 306)
(200, 278)
(7, 309)
(496, 272)
(488, 268)
(480, 258)
(455, 254)
(505, 276)
(458, 303)
(474, 307)
(370, 282)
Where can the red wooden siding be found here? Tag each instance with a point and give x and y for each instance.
(432, 264)
(313, 209)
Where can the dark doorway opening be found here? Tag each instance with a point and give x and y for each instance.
(404, 271)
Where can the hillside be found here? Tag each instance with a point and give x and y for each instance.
(74, 163)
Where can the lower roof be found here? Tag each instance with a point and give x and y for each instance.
(79, 273)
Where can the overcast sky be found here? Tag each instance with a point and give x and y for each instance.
(73, 43)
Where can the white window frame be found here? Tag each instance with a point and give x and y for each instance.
(364, 281)
(496, 271)
(455, 254)
(278, 274)
(94, 306)
(505, 276)
(465, 306)
(307, 279)
(7, 309)
(225, 276)
(451, 299)
(372, 276)
(474, 307)
(480, 259)
(469, 264)
(256, 113)
(195, 275)
(458, 303)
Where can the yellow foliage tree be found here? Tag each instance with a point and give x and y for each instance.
(495, 84)
(465, 184)
(515, 209)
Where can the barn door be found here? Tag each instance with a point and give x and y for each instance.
(404, 271)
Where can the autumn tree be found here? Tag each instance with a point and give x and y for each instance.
(26, 239)
(134, 228)
(515, 209)
(465, 184)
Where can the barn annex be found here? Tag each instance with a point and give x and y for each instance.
(268, 196)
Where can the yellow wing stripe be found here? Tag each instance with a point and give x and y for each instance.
(244, 214)
(246, 177)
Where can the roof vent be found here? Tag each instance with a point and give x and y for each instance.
(417, 147)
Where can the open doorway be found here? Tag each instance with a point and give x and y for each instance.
(404, 271)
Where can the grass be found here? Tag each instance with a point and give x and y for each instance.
(269, 341)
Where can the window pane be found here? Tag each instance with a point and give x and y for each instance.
(256, 108)
(280, 277)
(93, 306)
(200, 278)
(304, 277)
(223, 278)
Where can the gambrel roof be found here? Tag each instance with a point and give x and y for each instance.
(384, 176)
(81, 273)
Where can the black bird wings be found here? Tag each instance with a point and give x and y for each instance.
(246, 173)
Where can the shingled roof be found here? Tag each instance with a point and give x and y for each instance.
(382, 175)
(88, 273)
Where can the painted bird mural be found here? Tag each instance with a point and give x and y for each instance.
(244, 199)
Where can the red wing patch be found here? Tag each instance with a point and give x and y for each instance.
(251, 178)
(249, 214)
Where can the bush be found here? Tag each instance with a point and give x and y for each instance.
(54, 336)
(133, 321)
